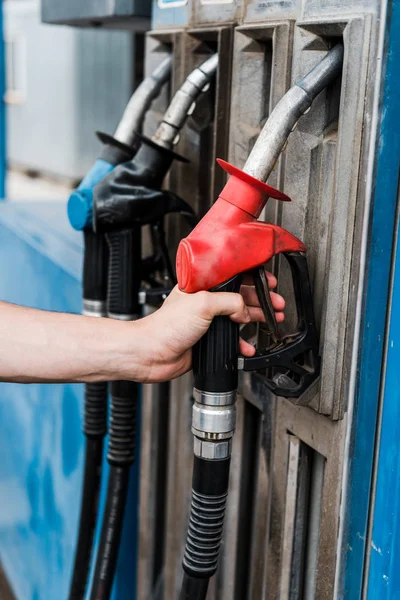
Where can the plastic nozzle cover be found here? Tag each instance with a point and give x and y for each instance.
(80, 211)
(79, 206)
(246, 192)
(229, 240)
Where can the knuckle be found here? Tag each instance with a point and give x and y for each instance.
(204, 301)
(240, 303)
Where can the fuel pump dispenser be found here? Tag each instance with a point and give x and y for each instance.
(124, 201)
(117, 149)
(228, 242)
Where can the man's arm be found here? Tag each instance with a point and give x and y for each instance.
(41, 346)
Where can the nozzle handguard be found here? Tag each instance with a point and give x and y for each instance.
(131, 194)
(230, 240)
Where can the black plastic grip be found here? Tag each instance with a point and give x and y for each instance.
(215, 355)
(207, 511)
(132, 194)
(124, 275)
(122, 427)
(95, 419)
(95, 264)
(151, 164)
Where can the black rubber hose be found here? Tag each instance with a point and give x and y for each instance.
(113, 519)
(193, 589)
(206, 520)
(95, 425)
(121, 454)
(88, 517)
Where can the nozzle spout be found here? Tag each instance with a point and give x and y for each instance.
(184, 102)
(324, 72)
(132, 119)
(287, 112)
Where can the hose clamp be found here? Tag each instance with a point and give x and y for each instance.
(94, 308)
(126, 317)
(212, 450)
(214, 398)
(213, 423)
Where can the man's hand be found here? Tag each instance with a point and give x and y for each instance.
(170, 333)
(41, 346)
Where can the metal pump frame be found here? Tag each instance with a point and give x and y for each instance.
(215, 364)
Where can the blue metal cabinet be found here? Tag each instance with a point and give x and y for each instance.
(41, 445)
(367, 426)
(2, 109)
(384, 574)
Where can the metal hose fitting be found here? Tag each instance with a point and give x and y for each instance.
(287, 112)
(132, 119)
(184, 103)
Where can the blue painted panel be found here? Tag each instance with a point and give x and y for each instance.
(384, 574)
(374, 312)
(2, 109)
(171, 13)
(41, 445)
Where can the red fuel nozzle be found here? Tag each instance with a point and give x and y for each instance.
(229, 240)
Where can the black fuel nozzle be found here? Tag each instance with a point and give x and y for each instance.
(130, 197)
(132, 193)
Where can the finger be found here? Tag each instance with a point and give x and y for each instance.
(278, 301)
(257, 315)
(250, 297)
(272, 280)
(213, 304)
(245, 348)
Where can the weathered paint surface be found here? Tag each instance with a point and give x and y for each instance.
(41, 444)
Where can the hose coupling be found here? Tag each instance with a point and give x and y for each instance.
(94, 308)
(213, 423)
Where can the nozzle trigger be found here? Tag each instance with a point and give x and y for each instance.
(295, 356)
(264, 297)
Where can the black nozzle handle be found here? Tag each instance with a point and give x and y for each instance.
(206, 521)
(215, 355)
(123, 303)
(95, 264)
(124, 273)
